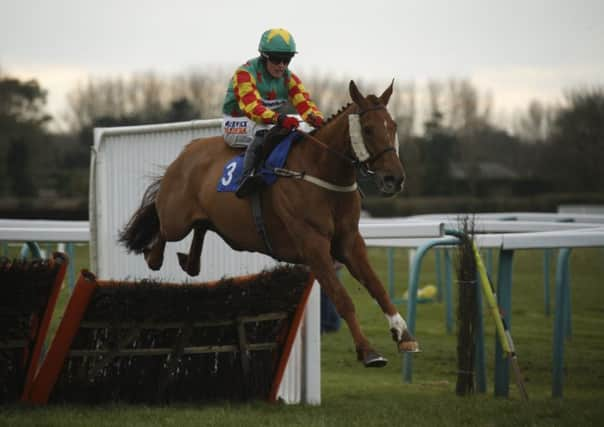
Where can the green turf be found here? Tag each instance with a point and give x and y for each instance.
(355, 396)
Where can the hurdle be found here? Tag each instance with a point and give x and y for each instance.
(31, 232)
(28, 296)
(150, 342)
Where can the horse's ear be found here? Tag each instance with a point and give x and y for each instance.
(385, 97)
(355, 94)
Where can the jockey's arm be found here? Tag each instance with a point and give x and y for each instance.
(249, 100)
(300, 99)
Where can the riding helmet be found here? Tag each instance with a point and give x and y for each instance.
(279, 41)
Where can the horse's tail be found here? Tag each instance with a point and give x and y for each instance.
(143, 227)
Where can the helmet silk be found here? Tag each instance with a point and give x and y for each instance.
(277, 40)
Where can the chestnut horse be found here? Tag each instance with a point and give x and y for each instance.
(307, 223)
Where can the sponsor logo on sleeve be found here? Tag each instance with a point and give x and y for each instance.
(235, 127)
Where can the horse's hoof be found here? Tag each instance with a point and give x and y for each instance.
(153, 265)
(408, 344)
(183, 261)
(374, 360)
(408, 347)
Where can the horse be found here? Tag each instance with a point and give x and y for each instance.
(309, 221)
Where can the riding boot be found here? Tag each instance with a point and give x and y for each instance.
(253, 154)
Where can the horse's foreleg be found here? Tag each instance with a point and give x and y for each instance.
(357, 262)
(320, 262)
(191, 262)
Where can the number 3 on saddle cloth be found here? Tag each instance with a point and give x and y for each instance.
(233, 169)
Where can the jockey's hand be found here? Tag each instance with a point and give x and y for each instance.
(314, 121)
(288, 122)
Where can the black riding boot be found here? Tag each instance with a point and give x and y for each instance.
(253, 155)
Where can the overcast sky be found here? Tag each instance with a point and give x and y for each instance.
(516, 50)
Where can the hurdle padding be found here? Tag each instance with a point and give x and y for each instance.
(151, 342)
(28, 294)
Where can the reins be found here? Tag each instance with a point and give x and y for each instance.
(344, 157)
(360, 162)
(286, 173)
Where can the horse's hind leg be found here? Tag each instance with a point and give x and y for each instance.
(191, 262)
(154, 256)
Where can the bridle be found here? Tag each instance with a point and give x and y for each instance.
(362, 157)
(359, 147)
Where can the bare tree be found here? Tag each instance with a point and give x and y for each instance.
(145, 96)
(535, 124)
(205, 88)
(467, 109)
(435, 92)
(403, 109)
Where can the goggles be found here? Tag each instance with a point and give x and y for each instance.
(277, 59)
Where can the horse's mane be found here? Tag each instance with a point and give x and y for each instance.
(371, 98)
(337, 113)
(333, 116)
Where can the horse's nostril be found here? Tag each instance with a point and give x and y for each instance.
(394, 181)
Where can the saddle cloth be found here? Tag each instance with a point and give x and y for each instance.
(233, 169)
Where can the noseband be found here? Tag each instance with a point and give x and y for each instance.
(363, 157)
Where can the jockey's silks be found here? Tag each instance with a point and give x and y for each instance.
(253, 92)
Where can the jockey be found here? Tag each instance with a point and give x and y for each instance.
(257, 98)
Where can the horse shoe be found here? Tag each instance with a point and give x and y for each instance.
(408, 344)
(374, 360)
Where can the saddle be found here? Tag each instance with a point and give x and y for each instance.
(276, 147)
(278, 142)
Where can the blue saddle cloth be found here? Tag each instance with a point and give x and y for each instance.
(233, 169)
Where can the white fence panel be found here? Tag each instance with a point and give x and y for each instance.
(125, 162)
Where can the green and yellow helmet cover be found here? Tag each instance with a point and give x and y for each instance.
(277, 40)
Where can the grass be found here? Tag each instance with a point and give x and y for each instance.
(355, 396)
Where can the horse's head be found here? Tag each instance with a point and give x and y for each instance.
(373, 139)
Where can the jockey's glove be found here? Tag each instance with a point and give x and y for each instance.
(314, 121)
(288, 122)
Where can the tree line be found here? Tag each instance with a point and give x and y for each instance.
(457, 149)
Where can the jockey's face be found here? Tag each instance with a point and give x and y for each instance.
(276, 68)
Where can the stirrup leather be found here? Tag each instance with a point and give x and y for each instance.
(248, 185)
